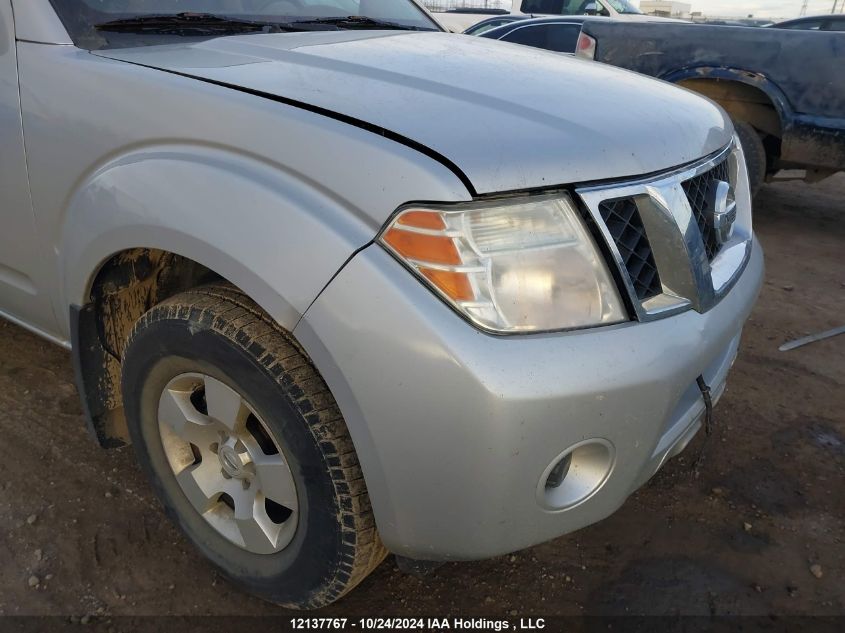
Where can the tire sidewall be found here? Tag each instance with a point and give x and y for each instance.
(164, 349)
(755, 154)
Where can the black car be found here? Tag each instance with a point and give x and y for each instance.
(814, 23)
(559, 34)
(492, 23)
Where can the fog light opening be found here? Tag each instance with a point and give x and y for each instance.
(576, 474)
(559, 472)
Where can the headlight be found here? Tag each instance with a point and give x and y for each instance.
(517, 266)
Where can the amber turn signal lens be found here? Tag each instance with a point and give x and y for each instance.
(420, 237)
(422, 220)
(434, 249)
(455, 285)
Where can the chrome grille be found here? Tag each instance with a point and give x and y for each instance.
(661, 239)
(697, 190)
(625, 225)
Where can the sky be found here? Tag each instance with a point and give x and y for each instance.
(759, 8)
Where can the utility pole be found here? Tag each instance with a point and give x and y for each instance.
(804, 8)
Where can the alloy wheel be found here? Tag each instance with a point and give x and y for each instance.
(228, 463)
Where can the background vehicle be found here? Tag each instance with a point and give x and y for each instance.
(833, 22)
(492, 23)
(458, 20)
(553, 34)
(783, 88)
(734, 22)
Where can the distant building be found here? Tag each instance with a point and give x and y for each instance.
(666, 8)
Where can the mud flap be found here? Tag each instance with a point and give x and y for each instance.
(97, 375)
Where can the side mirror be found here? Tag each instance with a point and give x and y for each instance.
(591, 9)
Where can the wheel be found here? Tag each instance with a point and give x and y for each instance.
(755, 154)
(246, 448)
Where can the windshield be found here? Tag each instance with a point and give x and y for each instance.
(91, 22)
(574, 7)
(623, 6)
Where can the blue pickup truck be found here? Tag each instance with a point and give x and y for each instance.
(784, 89)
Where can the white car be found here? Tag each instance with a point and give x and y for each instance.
(460, 20)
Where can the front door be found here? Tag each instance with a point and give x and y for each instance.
(21, 298)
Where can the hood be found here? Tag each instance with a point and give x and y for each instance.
(509, 117)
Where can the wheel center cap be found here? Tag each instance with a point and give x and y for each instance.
(230, 461)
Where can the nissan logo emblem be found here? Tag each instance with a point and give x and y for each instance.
(723, 203)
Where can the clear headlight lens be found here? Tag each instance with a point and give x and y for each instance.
(522, 266)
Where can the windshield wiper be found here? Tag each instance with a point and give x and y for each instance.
(193, 23)
(360, 22)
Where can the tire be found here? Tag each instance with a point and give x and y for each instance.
(203, 350)
(755, 154)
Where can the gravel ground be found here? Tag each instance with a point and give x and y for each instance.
(760, 531)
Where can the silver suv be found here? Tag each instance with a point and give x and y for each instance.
(351, 285)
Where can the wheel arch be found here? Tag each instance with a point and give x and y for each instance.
(159, 221)
(119, 292)
(745, 95)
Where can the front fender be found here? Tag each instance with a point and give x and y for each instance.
(274, 235)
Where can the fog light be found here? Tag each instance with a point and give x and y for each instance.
(576, 474)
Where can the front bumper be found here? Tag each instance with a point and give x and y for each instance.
(455, 428)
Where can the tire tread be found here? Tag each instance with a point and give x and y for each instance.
(220, 306)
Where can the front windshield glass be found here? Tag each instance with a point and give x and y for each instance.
(623, 6)
(105, 23)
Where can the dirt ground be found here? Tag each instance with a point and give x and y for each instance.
(82, 534)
